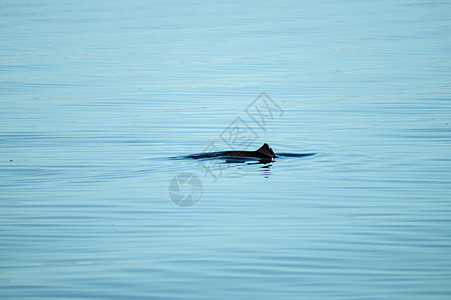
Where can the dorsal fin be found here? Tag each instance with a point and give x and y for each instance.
(266, 150)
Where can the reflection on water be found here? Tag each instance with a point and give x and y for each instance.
(96, 100)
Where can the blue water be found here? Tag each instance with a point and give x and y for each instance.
(96, 98)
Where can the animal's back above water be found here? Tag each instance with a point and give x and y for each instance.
(264, 152)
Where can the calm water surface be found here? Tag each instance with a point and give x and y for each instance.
(97, 98)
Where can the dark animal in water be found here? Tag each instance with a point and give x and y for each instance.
(265, 152)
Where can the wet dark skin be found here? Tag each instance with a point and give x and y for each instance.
(264, 152)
